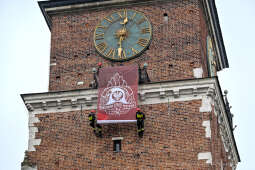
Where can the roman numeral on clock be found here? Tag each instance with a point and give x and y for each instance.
(134, 51)
(100, 26)
(123, 55)
(143, 42)
(101, 47)
(145, 30)
(133, 16)
(124, 14)
(111, 53)
(109, 20)
(99, 36)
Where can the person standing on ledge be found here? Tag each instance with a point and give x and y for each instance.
(140, 117)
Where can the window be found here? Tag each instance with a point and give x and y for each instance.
(165, 17)
(117, 144)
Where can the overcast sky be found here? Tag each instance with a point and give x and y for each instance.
(24, 68)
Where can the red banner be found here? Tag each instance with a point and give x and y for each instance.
(117, 94)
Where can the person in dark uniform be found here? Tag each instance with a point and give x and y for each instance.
(99, 130)
(92, 119)
(140, 117)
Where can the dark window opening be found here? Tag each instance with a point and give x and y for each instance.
(192, 64)
(170, 65)
(117, 145)
(165, 17)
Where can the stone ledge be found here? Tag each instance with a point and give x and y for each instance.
(153, 93)
(95, 5)
(205, 156)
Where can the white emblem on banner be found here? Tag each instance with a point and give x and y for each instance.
(117, 98)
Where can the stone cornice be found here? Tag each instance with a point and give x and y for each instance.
(226, 133)
(152, 93)
(225, 127)
(97, 4)
(49, 8)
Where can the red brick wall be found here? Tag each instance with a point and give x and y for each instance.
(176, 48)
(172, 140)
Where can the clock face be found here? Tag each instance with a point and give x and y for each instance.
(211, 57)
(122, 35)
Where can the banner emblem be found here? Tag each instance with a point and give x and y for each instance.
(117, 96)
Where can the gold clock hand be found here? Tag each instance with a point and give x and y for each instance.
(122, 33)
(120, 47)
(120, 52)
(125, 21)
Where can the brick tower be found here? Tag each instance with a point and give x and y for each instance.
(179, 52)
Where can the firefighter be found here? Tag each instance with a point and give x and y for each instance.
(99, 130)
(140, 117)
(92, 119)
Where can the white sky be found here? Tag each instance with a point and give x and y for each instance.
(24, 63)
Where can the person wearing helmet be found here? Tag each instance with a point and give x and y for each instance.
(96, 127)
(99, 130)
(140, 117)
(92, 119)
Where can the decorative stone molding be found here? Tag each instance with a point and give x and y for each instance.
(99, 4)
(117, 138)
(227, 140)
(207, 126)
(79, 83)
(205, 155)
(206, 104)
(195, 92)
(208, 100)
(59, 104)
(198, 72)
(61, 101)
(53, 64)
(32, 141)
(176, 93)
(162, 94)
(28, 168)
(225, 130)
(153, 93)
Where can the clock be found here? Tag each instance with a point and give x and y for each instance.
(122, 35)
(211, 57)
